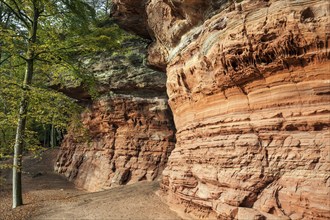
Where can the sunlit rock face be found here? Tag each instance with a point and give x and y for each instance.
(130, 140)
(249, 86)
(174, 24)
(127, 134)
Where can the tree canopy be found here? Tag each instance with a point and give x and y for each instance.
(44, 43)
(68, 32)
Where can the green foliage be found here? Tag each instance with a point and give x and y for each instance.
(46, 107)
(69, 32)
(9, 98)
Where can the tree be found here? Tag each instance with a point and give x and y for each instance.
(27, 18)
(45, 43)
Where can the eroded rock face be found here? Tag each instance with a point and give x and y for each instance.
(131, 15)
(128, 133)
(130, 139)
(249, 87)
(164, 21)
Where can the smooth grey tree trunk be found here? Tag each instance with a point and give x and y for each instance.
(17, 163)
(19, 140)
(23, 109)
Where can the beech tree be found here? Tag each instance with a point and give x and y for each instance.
(44, 43)
(30, 34)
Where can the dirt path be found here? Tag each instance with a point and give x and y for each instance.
(134, 202)
(48, 195)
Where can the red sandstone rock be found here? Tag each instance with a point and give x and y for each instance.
(129, 132)
(128, 140)
(249, 89)
(131, 15)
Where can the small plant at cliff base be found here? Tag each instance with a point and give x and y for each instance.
(41, 44)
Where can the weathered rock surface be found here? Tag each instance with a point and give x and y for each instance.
(131, 15)
(249, 87)
(129, 130)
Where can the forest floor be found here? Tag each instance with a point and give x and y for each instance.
(47, 195)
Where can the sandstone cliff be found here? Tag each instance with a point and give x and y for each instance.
(249, 87)
(129, 130)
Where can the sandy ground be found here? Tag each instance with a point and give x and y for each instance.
(134, 202)
(47, 195)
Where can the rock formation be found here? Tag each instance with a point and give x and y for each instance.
(248, 84)
(127, 133)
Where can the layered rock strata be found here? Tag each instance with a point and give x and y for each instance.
(127, 134)
(249, 87)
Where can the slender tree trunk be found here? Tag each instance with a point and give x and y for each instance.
(17, 163)
(45, 135)
(52, 137)
(23, 109)
(19, 140)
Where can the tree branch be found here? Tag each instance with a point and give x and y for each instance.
(24, 58)
(16, 13)
(43, 60)
(4, 60)
(20, 12)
